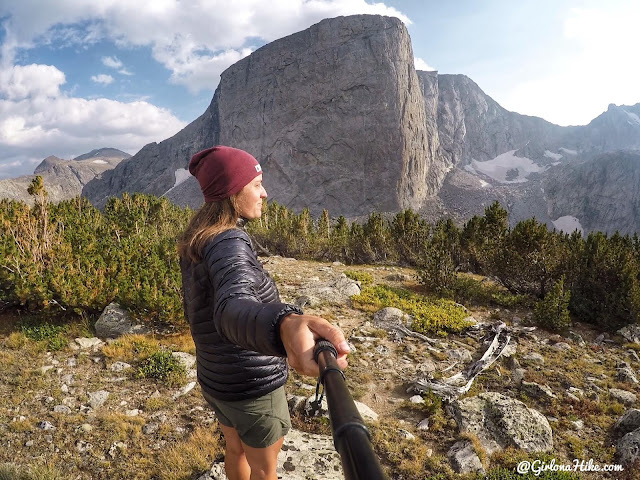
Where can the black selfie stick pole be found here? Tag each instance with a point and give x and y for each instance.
(350, 435)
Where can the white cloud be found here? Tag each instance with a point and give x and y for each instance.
(112, 62)
(115, 63)
(196, 41)
(102, 78)
(19, 82)
(603, 70)
(37, 120)
(420, 64)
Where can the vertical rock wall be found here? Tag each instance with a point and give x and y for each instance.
(336, 116)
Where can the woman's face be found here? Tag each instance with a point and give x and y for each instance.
(249, 200)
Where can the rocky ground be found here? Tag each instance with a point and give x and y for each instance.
(80, 412)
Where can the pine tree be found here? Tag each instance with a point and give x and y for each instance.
(552, 311)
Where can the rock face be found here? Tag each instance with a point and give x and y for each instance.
(352, 137)
(604, 193)
(473, 126)
(335, 114)
(340, 119)
(63, 179)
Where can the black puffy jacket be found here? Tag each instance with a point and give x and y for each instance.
(234, 311)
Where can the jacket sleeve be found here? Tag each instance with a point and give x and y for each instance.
(240, 314)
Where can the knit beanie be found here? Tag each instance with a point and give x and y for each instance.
(223, 171)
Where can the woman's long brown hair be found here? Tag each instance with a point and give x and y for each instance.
(211, 219)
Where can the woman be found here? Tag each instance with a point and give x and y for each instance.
(241, 330)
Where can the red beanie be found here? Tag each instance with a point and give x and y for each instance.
(223, 171)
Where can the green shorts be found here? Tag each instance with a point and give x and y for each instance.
(260, 422)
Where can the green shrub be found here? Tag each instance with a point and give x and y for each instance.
(467, 289)
(552, 311)
(429, 315)
(162, 365)
(363, 277)
(52, 335)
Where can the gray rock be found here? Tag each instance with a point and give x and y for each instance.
(87, 343)
(336, 291)
(97, 399)
(187, 360)
(622, 396)
(534, 358)
(119, 366)
(115, 322)
(629, 422)
(416, 399)
(464, 459)
(44, 425)
(535, 390)
(460, 354)
(628, 448)
(631, 333)
(626, 375)
(62, 409)
(562, 346)
(184, 390)
(499, 421)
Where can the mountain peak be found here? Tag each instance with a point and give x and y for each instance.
(103, 152)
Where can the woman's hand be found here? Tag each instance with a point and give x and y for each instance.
(299, 334)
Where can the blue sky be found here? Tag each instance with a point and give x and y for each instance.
(82, 74)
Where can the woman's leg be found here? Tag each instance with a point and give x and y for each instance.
(263, 461)
(235, 461)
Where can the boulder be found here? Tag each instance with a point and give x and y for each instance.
(464, 459)
(629, 422)
(500, 421)
(115, 322)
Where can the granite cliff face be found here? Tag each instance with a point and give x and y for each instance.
(63, 179)
(528, 164)
(335, 114)
(603, 193)
(340, 119)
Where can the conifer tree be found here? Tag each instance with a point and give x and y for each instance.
(552, 311)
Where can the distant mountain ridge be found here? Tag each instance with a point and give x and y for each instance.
(340, 119)
(64, 179)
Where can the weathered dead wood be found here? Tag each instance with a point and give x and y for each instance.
(452, 387)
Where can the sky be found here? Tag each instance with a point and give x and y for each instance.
(76, 75)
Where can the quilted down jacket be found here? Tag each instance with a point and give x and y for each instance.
(234, 311)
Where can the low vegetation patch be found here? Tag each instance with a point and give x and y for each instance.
(162, 365)
(363, 277)
(430, 315)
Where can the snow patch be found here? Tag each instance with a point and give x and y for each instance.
(181, 175)
(555, 156)
(566, 150)
(633, 118)
(568, 224)
(98, 161)
(517, 169)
